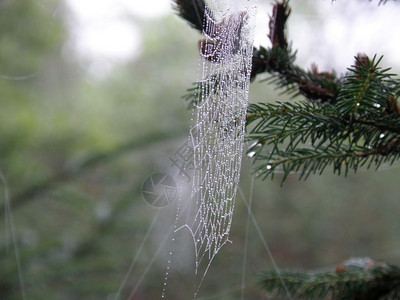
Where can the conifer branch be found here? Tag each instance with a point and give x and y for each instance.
(277, 60)
(307, 137)
(366, 83)
(356, 279)
(348, 122)
(192, 11)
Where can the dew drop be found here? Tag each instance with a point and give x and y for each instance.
(251, 154)
(377, 105)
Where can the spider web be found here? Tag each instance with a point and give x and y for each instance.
(218, 132)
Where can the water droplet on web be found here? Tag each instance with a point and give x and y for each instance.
(251, 154)
(218, 132)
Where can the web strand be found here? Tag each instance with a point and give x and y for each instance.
(138, 252)
(246, 239)
(9, 218)
(265, 244)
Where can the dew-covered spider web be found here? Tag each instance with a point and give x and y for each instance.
(217, 134)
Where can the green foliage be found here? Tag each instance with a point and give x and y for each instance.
(348, 122)
(367, 89)
(361, 129)
(191, 11)
(364, 280)
(28, 33)
(344, 124)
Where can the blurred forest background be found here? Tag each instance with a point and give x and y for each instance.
(80, 136)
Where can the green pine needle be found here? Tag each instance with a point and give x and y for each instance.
(361, 129)
(369, 281)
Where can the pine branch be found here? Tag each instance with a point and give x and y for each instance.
(355, 123)
(314, 161)
(356, 279)
(192, 11)
(369, 84)
(348, 122)
(362, 129)
(195, 93)
(277, 60)
(383, 1)
(297, 122)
